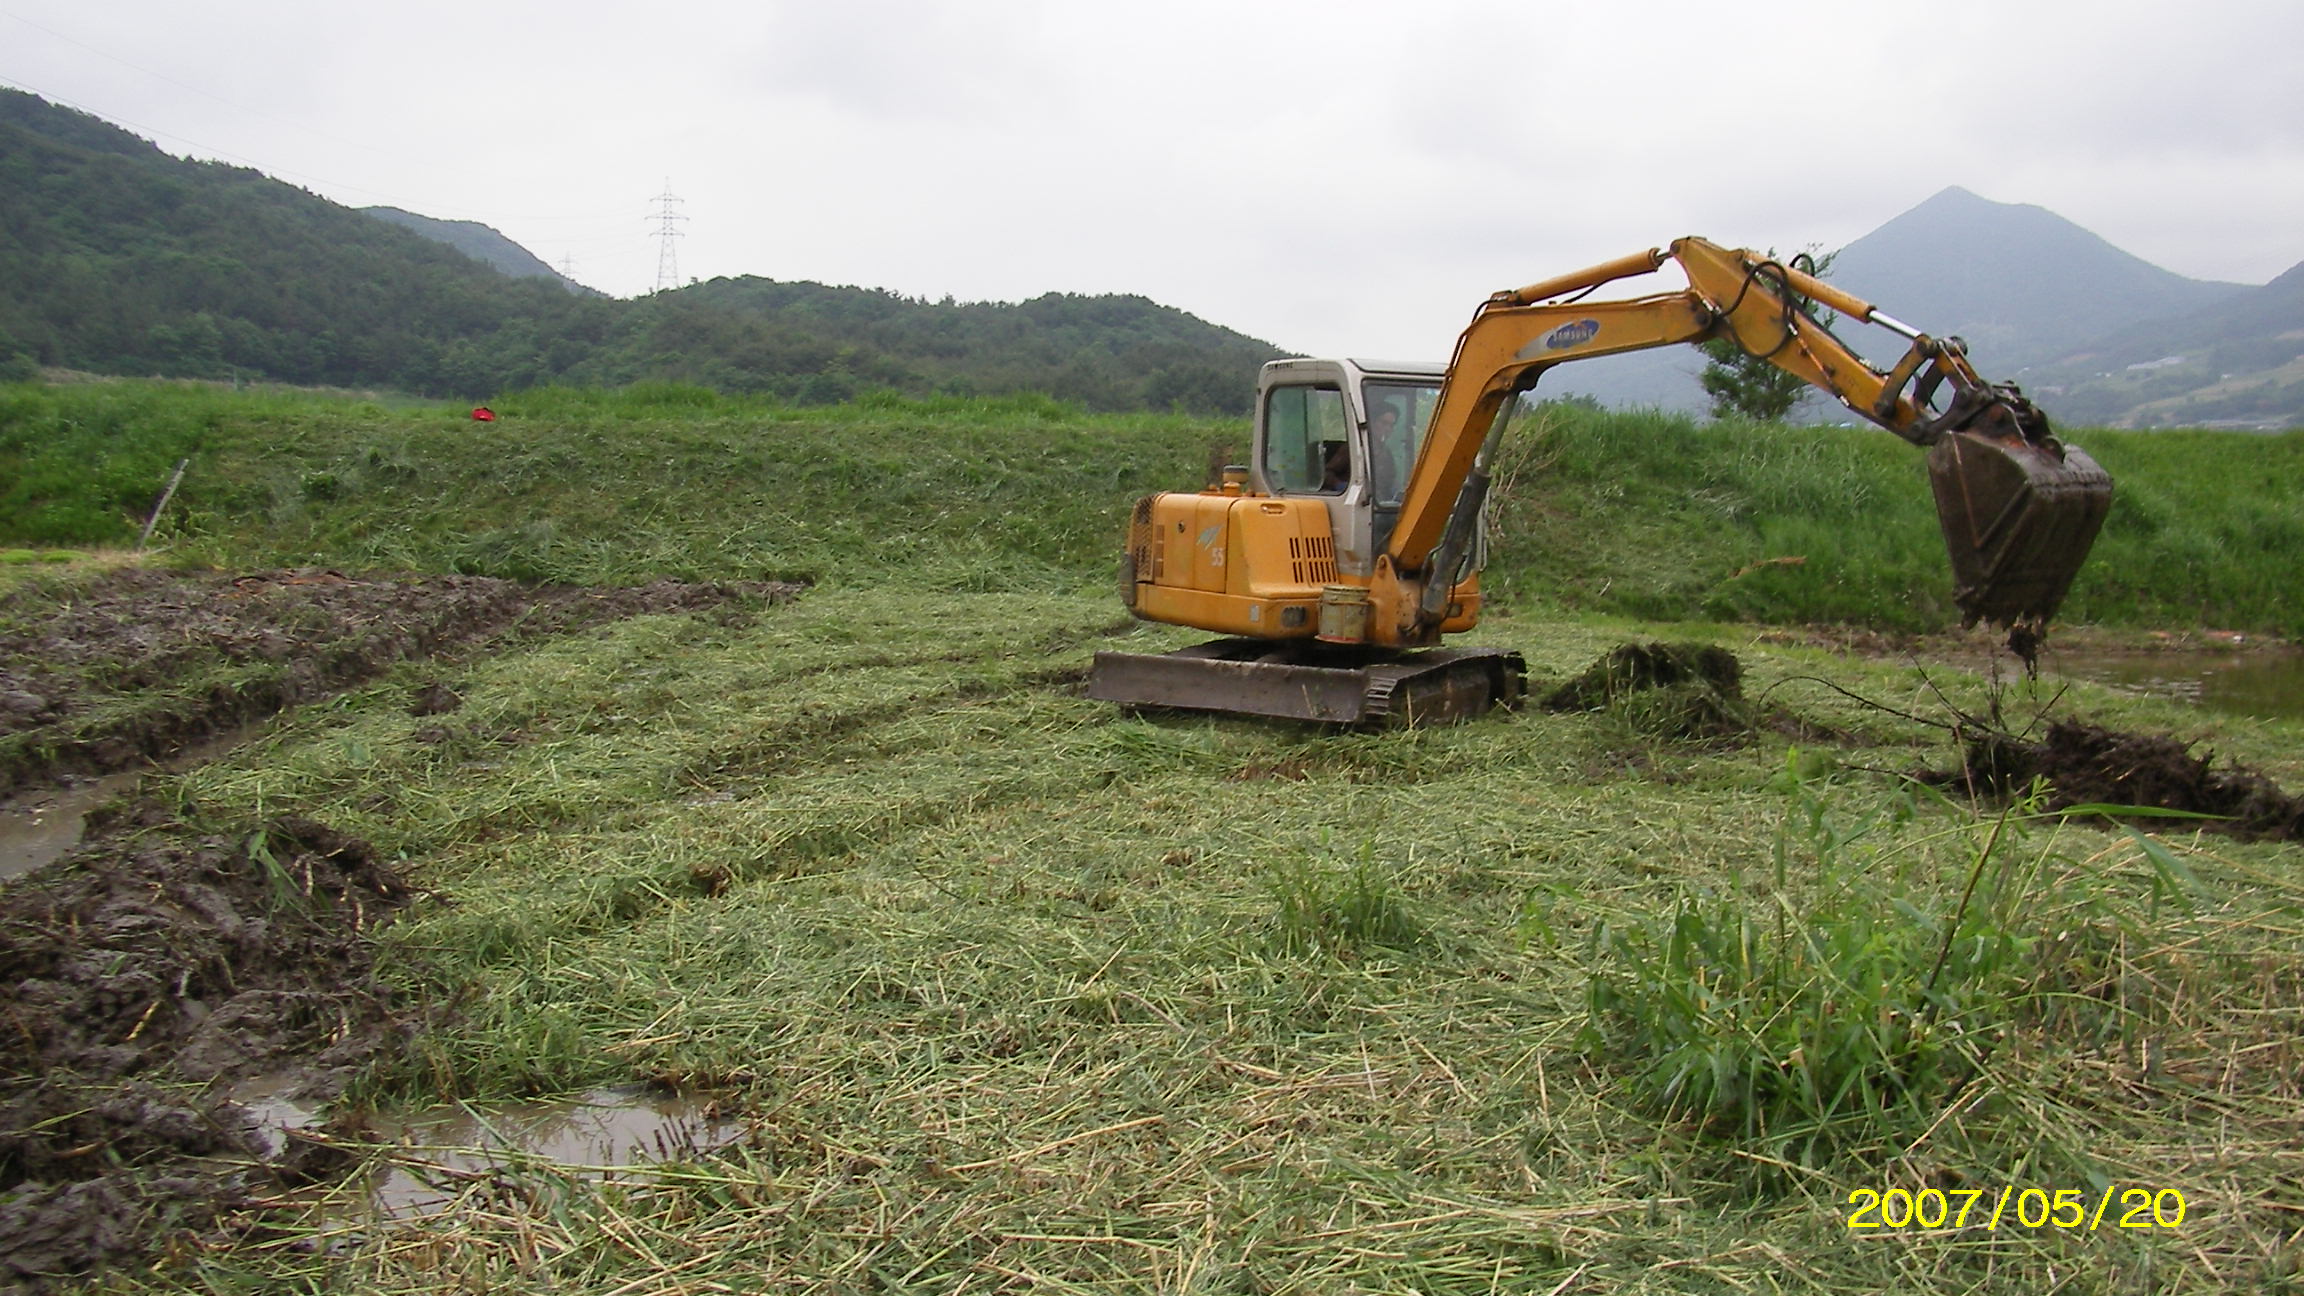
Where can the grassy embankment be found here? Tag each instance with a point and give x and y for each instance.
(1633, 515)
(1020, 992)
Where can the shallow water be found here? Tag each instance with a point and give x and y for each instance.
(39, 826)
(441, 1149)
(2265, 684)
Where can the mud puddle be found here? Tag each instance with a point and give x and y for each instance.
(2267, 685)
(423, 1162)
(39, 826)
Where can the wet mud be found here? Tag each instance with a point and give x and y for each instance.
(2084, 764)
(155, 969)
(147, 970)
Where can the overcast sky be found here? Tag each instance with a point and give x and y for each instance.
(1336, 178)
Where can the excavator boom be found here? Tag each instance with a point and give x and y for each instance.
(2019, 510)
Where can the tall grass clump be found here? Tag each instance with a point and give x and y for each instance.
(1651, 514)
(1644, 513)
(84, 464)
(1356, 910)
(2205, 529)
(1840, 1001)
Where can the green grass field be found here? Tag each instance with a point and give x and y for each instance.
(1630, 514)
(1017, 992)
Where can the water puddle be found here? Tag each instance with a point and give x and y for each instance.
(39, 826)
(2263, 684)
(432, 1157)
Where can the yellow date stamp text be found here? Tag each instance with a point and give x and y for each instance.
(1904, 1210)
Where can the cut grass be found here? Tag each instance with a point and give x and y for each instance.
(1016, 991)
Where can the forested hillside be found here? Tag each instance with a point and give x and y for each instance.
(118, 258)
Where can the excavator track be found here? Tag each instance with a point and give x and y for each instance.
(1296, 681)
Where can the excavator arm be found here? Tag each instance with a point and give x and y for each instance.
(2019, 509)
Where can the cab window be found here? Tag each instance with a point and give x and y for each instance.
(1306, 440)
(1398, 413)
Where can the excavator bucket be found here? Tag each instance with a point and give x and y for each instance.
(2020, 511)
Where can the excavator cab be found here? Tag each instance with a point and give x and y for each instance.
(1347, 431)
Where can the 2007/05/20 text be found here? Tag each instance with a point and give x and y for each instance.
(2063, 1208)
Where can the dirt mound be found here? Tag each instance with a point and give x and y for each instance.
(150, 967)
(1677, 692)
(2085, 764)
(143, 662)
(1634, 667)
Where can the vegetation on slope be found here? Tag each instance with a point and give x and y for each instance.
(1636, 514)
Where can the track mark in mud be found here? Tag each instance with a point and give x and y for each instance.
(141, 986)
(153, 966)
(141, 662)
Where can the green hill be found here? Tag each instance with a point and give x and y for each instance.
(117, 258)
(2239, 362)
(482, 243)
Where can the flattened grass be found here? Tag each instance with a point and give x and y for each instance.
(1015, 990)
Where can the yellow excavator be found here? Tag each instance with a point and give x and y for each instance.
(1336, 560)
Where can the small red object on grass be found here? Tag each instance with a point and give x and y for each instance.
(483, 414)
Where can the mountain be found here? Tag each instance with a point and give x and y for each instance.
(2019, 283)
(117, 258)
(2238, 363)
(482, 243)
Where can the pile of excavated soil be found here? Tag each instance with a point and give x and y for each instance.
(1689, 692)
(2084, 764)
(146, 634)
(1636, 667)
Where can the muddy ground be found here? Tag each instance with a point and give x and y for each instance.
(152, 967)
